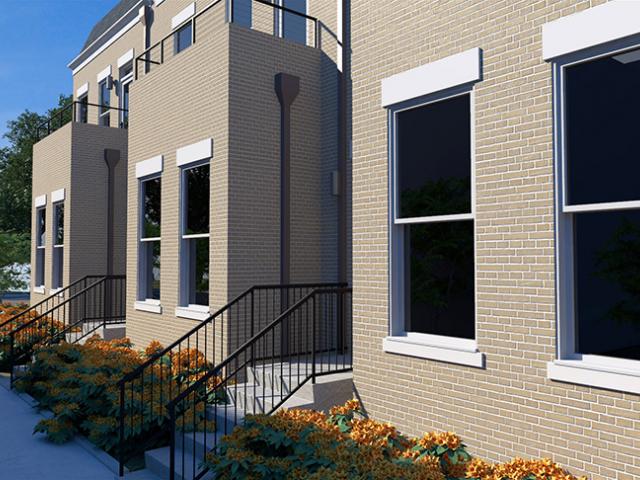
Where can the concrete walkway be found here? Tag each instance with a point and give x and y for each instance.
(24, 456)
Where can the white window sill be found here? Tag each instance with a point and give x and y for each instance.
(151, 306)
(412, 348)
(581, 373)
(53, 291)
(193, 312)
(38, 290)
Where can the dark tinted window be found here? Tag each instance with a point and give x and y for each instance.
(42, 226)
(152, 252)
(603, 147)
(151, 198)
(295, 26)
(105, 96)
(439, 279)
(59, 224)
(182, 38)
(242, 12)
(200, 272)
(607, 283)
(434, 159)
(197, 196)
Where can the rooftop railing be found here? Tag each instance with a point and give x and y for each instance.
(83, 112)
(259, 15)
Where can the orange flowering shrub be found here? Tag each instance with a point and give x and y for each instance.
(26, 338)
(79, 384)
(309, 445)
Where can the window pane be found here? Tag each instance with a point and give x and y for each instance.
(602, 105)
(607, 283)
(434, 159)
(59, 224)
(242, 12)
(198, 271)
(182, 38)
(439, 279)
(152, 274)
(295, 26)
(39, 267)
(151, 196)
(58, 255)
(105, 97)
(197, 198)
(42, 226)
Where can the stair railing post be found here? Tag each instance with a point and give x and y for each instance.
(11, 359)
(253, 358)
(172, 445)
(313, 339)
(121, 432)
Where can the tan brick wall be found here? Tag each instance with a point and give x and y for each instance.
(181, 102)
(510, 408)
(73, 158)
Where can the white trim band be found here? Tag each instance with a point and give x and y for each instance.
(58, 195)
(41, 200)
(184, 15)
(149, 167)
(194, 152)
(82, 90)
(148, 306)
(445, 73)
(404, 346)
(193, 312)
(577, 372)
(591, 27)
(124, 59)
(103, 74)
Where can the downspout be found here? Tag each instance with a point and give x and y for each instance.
(343, 91)
(111, 158)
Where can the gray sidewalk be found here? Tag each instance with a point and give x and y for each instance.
(24, 456)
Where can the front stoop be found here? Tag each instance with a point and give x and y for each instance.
(329, 390)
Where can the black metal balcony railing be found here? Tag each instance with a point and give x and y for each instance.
(83, 112)
(260, 15)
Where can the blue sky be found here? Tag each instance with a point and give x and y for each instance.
(39, 38)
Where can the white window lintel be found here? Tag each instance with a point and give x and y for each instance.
(125, 58)
(448, 72)
(58, 195)
(103, 74)
(184, 15)
(41, 200)
(194, 152)
(149, 167)
(82, 90)
(594, 26)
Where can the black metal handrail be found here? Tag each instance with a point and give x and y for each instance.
(76, 111)
(99, 304)
(311, 338)
(145, 391)
(146, 56)
(48, 301)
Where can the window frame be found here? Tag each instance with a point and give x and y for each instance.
(603, 371)
(436, 347)
(279, 21)
(58, 249)
(125, 82)
(143, 302)
(184, 308)
(176, 36)
(41, 245)
(104, 109)
(83, 108)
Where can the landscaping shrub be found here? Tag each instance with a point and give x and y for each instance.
(79, 384)
(25, 339)
(309, 445)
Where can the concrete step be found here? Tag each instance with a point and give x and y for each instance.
(186, 467)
